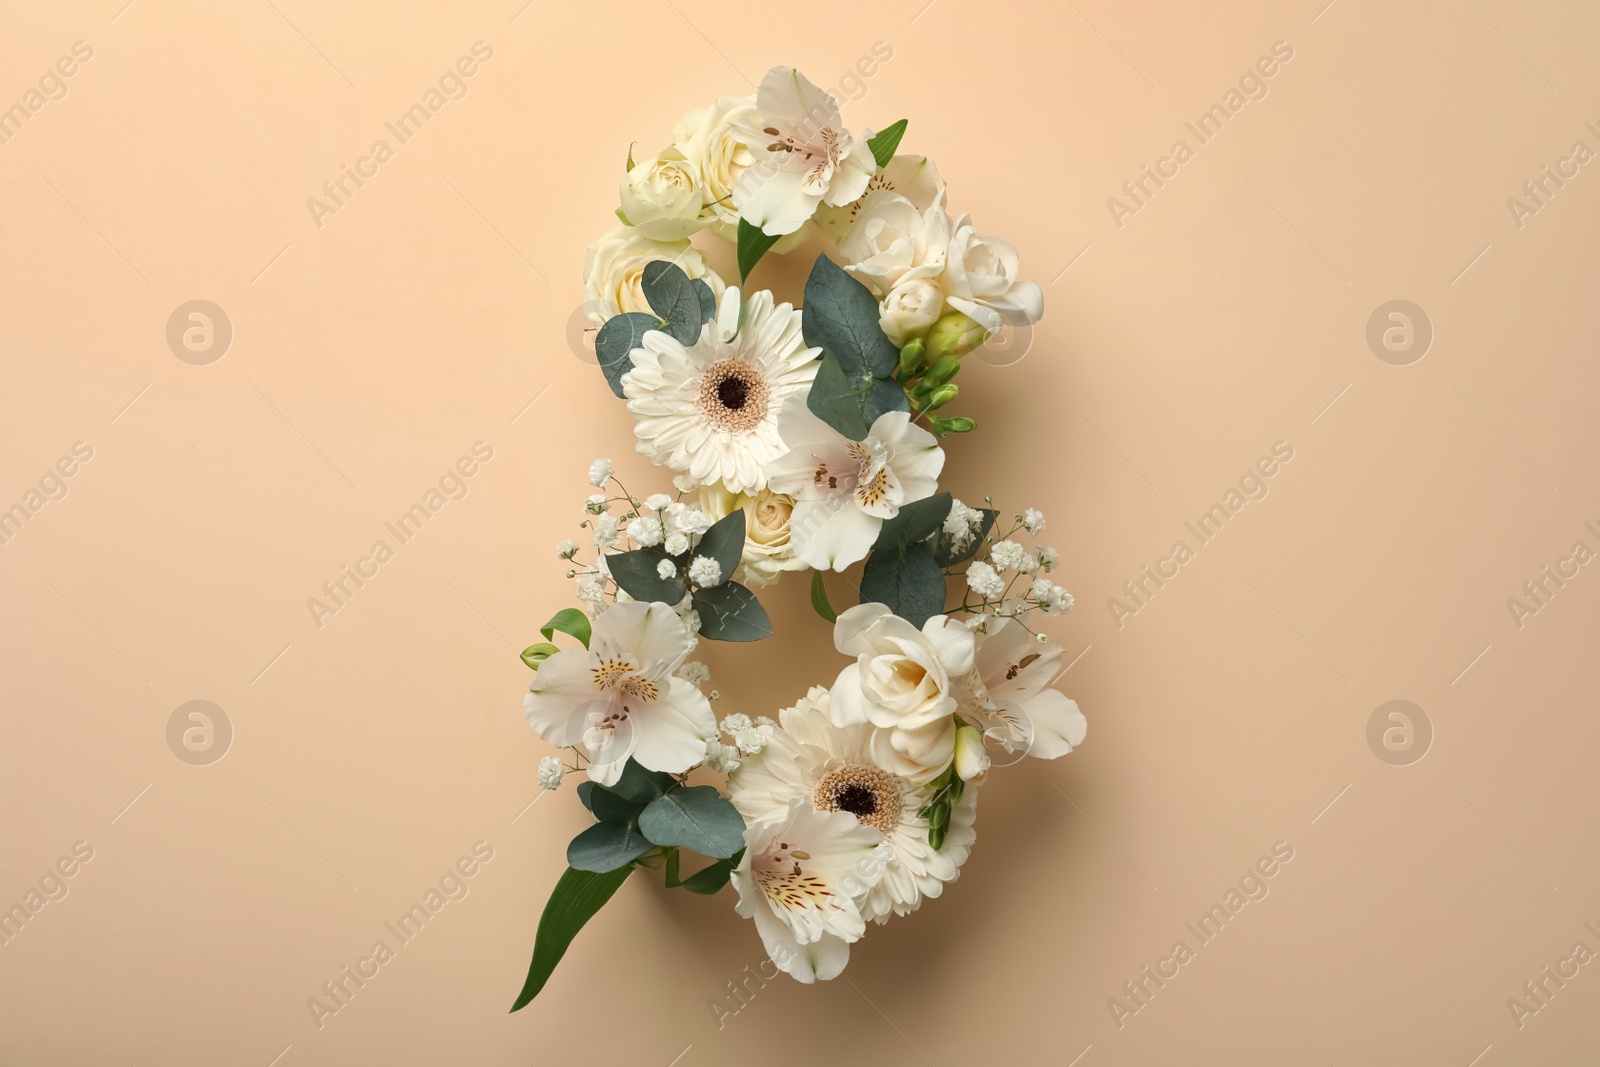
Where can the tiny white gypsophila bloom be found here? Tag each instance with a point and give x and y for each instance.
(978, 623)
(658, 501)
(705, 571)
(550, 772)
(595, 504)
(1040, 590)
(566, 549)
(685, 483)
(605, 531)
(666, 570)
(962, 523)
(691, 622)
(732, 724)
(1007, 555)
(724, 759)
(1060, 602)
(694, 521)
(695, 673)
(1033, 521)
(599, 472)
(767, 721)
(646, 532)
(984, 581)
(1028, 564)
(751, 740)
(677, 544)
(1049, 559)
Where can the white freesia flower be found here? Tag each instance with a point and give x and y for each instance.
(613, 270)
(712, 409)
(902, 683)
(768, 548)
(893, 242)
(980, 279)
(800, 878)
(662, 197)
(844, 489)
(913, 177)
(1007, 693)
(835, 768)
(618, 698)
(804, 156)
(910, 309)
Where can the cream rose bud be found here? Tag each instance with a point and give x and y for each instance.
(767, 552)
(662, 197)
(613, 269)
(910, 309)
(980, 278)
(971, 759)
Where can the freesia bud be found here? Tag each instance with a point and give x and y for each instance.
(939, 373)
(941, 396)
(954, 334)
(911, 357)
(971, 759)
(957, 424)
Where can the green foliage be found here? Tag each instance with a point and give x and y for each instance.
(614, 344)
(855, 383)
(884, 143)
(569, 621)
(730, 612)
(906, 580)
(578, 895)
(636, 573)
(673, 297)
(696, 817)
(639, 785)
(535, 655)
(819, 598)
(914, 522)
(753, 243)
(724, 542)
(605, 846)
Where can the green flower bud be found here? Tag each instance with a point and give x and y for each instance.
(958, 424)
(941, 396)
(936, 837)
(534, 655)
(939, 373)
(911, 357)
(954, 334)
(654, 859)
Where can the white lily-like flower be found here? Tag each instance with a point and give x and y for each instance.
(844, 489)
(804, 157)
(1007, 692)
(800, 879)
(619, 698)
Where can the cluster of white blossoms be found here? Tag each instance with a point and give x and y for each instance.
(797, 436)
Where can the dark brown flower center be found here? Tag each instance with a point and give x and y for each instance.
(733, 392)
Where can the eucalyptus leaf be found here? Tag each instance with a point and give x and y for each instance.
(696, 817)
(708, 300)
(885, 141)
(906, 580)
(636, 573)
(753, 243)
(569, 621)
(578, 895)
(851, 402)
(854, 384)
(614, 344)
(605, 846)
(724, 542)
(639, 785)
(914, 521)
(948, 556)
(671, 295)
(608, 806)
(730, 612)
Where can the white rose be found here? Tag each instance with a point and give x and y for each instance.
(767, 552)
(893, 242)
(910, 310)
(980, 279)
(902, 683)
(662, 196)
(613, 269)
(707, 139)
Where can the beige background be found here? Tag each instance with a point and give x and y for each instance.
(1227, 314)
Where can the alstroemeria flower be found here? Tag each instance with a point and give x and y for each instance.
(619, 697)
(1008, 693)
(804, 156)
(844, 489)
(800, 880)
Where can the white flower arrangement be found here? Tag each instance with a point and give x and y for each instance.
(794, 438)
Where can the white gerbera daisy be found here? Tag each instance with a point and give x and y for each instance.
(711, 410)
(832, 768)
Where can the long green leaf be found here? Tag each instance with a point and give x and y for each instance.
(753, 244)
(884, 142)
(708, 880)
(819, 598)
(578, 895)
(569, 621)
